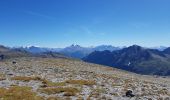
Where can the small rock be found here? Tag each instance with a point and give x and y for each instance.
(14, 62)
(129, 93)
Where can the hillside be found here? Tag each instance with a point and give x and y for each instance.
(6, 52)
(167, 51)
(134, 58)
(67, 79)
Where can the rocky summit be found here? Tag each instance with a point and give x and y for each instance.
(35, 78)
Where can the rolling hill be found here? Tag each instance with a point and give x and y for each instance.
(36, 78)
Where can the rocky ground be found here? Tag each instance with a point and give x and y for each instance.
(66, 79)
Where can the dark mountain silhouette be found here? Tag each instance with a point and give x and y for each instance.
(134, 58)
(167, 51)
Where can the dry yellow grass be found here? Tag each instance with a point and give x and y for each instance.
(115, 84)
(163, 92)
(80, 98)
(69, 94)
(81, 82)
(99, 90)
(18, 93)
(55, 90)
(25, 78)
(54, 98)
(52, 84)
(44, 81)
(2, 77)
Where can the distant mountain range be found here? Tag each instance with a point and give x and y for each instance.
(160, 48)
(134, 58)
(167, 50)
(75, 51)
(34, 49)
(6, 52)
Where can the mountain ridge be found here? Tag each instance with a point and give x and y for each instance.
(134, 58)
(74, 50)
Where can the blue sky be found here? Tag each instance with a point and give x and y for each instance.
(59, 23)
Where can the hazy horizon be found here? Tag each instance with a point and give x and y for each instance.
(84, 46)
(60, 23)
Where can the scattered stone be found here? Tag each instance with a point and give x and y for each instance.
(109, 84)
(129, 93)
(14, 62)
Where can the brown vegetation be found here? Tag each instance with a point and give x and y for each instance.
(81, 82)
(18, 93)
(55, 90)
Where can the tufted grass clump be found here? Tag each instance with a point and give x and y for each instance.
(54, 98)
(55, 90)
(52, 84)
(163, 92)
(69, 94)
(81, 82)
(25, 78)
(2, 77)
(18, 93)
